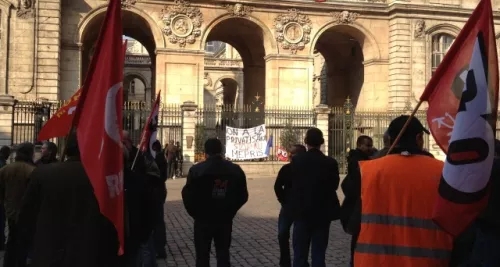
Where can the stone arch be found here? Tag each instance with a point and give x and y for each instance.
(158, 36)
(253, 41)
(270, 44)
(138, 76)
(369, 45)
(230, 93)
(443, 28)
(223, 77)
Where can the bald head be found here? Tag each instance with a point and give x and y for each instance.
(387, 139)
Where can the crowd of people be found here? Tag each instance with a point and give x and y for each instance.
(53, 216)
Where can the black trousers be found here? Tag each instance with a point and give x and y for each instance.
(220, 233)
(160, 231)
(15, 256)
(170, 168)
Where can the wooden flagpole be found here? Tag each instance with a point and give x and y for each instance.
(405, 126)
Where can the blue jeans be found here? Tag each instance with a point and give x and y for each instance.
(146, 256)
(486, 251)
(305, 235)
(284, 225)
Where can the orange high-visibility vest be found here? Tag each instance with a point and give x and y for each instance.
(397, 197)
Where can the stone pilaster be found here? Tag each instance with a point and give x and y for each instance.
(322, 122)
(6, 109)
(399, 62)
(48, 49)
(188, 134)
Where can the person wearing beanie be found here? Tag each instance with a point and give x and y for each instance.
(314, 200)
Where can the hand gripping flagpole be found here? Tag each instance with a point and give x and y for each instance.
(405, 126)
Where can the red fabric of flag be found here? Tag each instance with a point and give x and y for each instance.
(148, 136)
(99, 120)
(60, 123)
(463, 97)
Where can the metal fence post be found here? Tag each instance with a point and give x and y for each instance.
(348, 128)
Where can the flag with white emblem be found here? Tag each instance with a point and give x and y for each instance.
(99, 120)
(148, 136)
(463, 97)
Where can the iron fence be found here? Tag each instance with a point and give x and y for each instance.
(347, 124)
(287, 126)
(28, 117)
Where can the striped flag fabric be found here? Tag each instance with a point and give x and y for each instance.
(463, 93)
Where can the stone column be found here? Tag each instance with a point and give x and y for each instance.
(6, 109)
(188, 134)
(322, 122)
(399, 62)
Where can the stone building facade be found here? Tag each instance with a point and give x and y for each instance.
(380, 53)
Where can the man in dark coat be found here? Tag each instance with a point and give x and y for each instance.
(4, 156)
(14, 179)
(170, 153)
(282, 188)
(160, 232)
(486, 230)
(387, 144)
(214, 192)
(60, 217)
(314, 200)
(351, 186)
(49, 154)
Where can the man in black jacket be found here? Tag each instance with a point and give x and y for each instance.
(214, 192)
(351, 186)
(314, 200)
(282, 188)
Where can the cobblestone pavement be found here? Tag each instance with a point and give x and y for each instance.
(254, 242)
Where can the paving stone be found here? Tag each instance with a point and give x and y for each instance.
(255, 237)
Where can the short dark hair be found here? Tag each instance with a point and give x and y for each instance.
(25, 152)
(51, 147)
(5, 152)
(72, 148)
(314, 137)
(213, 146)
(299, 148)
(362, 139)
(156, 144)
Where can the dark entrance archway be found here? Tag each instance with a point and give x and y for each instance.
(134, 26)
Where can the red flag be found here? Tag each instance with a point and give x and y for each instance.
(99, 120)
(60, 123)
(150, 130)
(463, 97)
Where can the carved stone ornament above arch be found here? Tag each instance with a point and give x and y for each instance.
(25, 9)
(344, 17)
(292, 30)
(443, 28)
(128, 3)
(419, 31)
(239, 10)
(182, 23)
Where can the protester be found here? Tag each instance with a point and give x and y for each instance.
(351, 186)
(387, 144)
(282, 188)
(49, 154)
(4, 156)
(398, 197)
(60, 217)
(314, 200)
(487, 227)
(214, 192)
(14, 179)
(178, 160)
(161, 191)
(140, 206)
(170, 153)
